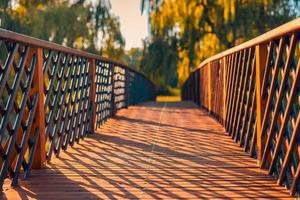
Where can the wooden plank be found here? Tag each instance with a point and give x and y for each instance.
(154, 150)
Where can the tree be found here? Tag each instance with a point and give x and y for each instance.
(159, 62)
(133, 58)
(203, 28)
(80, 24)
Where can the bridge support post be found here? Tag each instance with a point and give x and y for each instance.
(39, 160)
(193, 88)
(224, 69)
(196, 85)
(112, 103)
(93, 94)
(127, 88)
(260, 63)
(209, 89)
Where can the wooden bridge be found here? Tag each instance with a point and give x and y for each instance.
(154, 150)
(74, 125)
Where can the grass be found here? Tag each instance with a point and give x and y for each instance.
(168, 98)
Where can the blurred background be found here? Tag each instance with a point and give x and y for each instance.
(164, 39)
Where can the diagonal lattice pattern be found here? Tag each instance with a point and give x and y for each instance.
(241, 99)
(52, 97)
(103, 81)
(67, 85)
(277, 61)
(120, 88)
(282, 116)
(18, 105)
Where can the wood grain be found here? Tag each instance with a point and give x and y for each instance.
(165, 150)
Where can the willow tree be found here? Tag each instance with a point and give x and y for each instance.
(82, 24)
(203, 28)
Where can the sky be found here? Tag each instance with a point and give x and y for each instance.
(133, 25)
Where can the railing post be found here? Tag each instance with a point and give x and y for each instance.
(189, 89)
(209, 87)
(197, 87)
(112, 105)
(127, 87)
(92, 62)
(193, 87)
(39, 160)
(261, 58)
(137, 89)
(224, 66)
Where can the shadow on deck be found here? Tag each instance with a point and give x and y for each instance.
(155, 150)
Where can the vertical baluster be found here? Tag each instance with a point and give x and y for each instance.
(209, 86)
(224, 66)
(193, 87)
(112, 103)
(93, 94)
(261, 59)
(127, 87)
(39, 160)
(198, 87)
(232, 68)
(235, 88)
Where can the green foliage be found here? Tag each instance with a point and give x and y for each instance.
(133, 58)
(202, 28)
(159, 63)
(114, 43)
(82, 24)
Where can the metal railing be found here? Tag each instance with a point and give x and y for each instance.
(254, 90)
(52, 96)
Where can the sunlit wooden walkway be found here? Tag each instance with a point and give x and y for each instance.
(156, 150)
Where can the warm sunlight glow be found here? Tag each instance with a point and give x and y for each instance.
(133, 24)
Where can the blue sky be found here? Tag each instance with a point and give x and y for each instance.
(133, 24)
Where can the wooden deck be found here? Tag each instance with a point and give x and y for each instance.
(152, 151)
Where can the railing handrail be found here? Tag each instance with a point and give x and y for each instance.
(264, 38)
(32, 41)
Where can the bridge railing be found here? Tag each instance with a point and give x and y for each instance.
(254, 90)
(53, 96)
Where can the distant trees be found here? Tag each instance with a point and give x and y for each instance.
(133, 58)
(185, 32)
(182, 32)
(82, 24)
